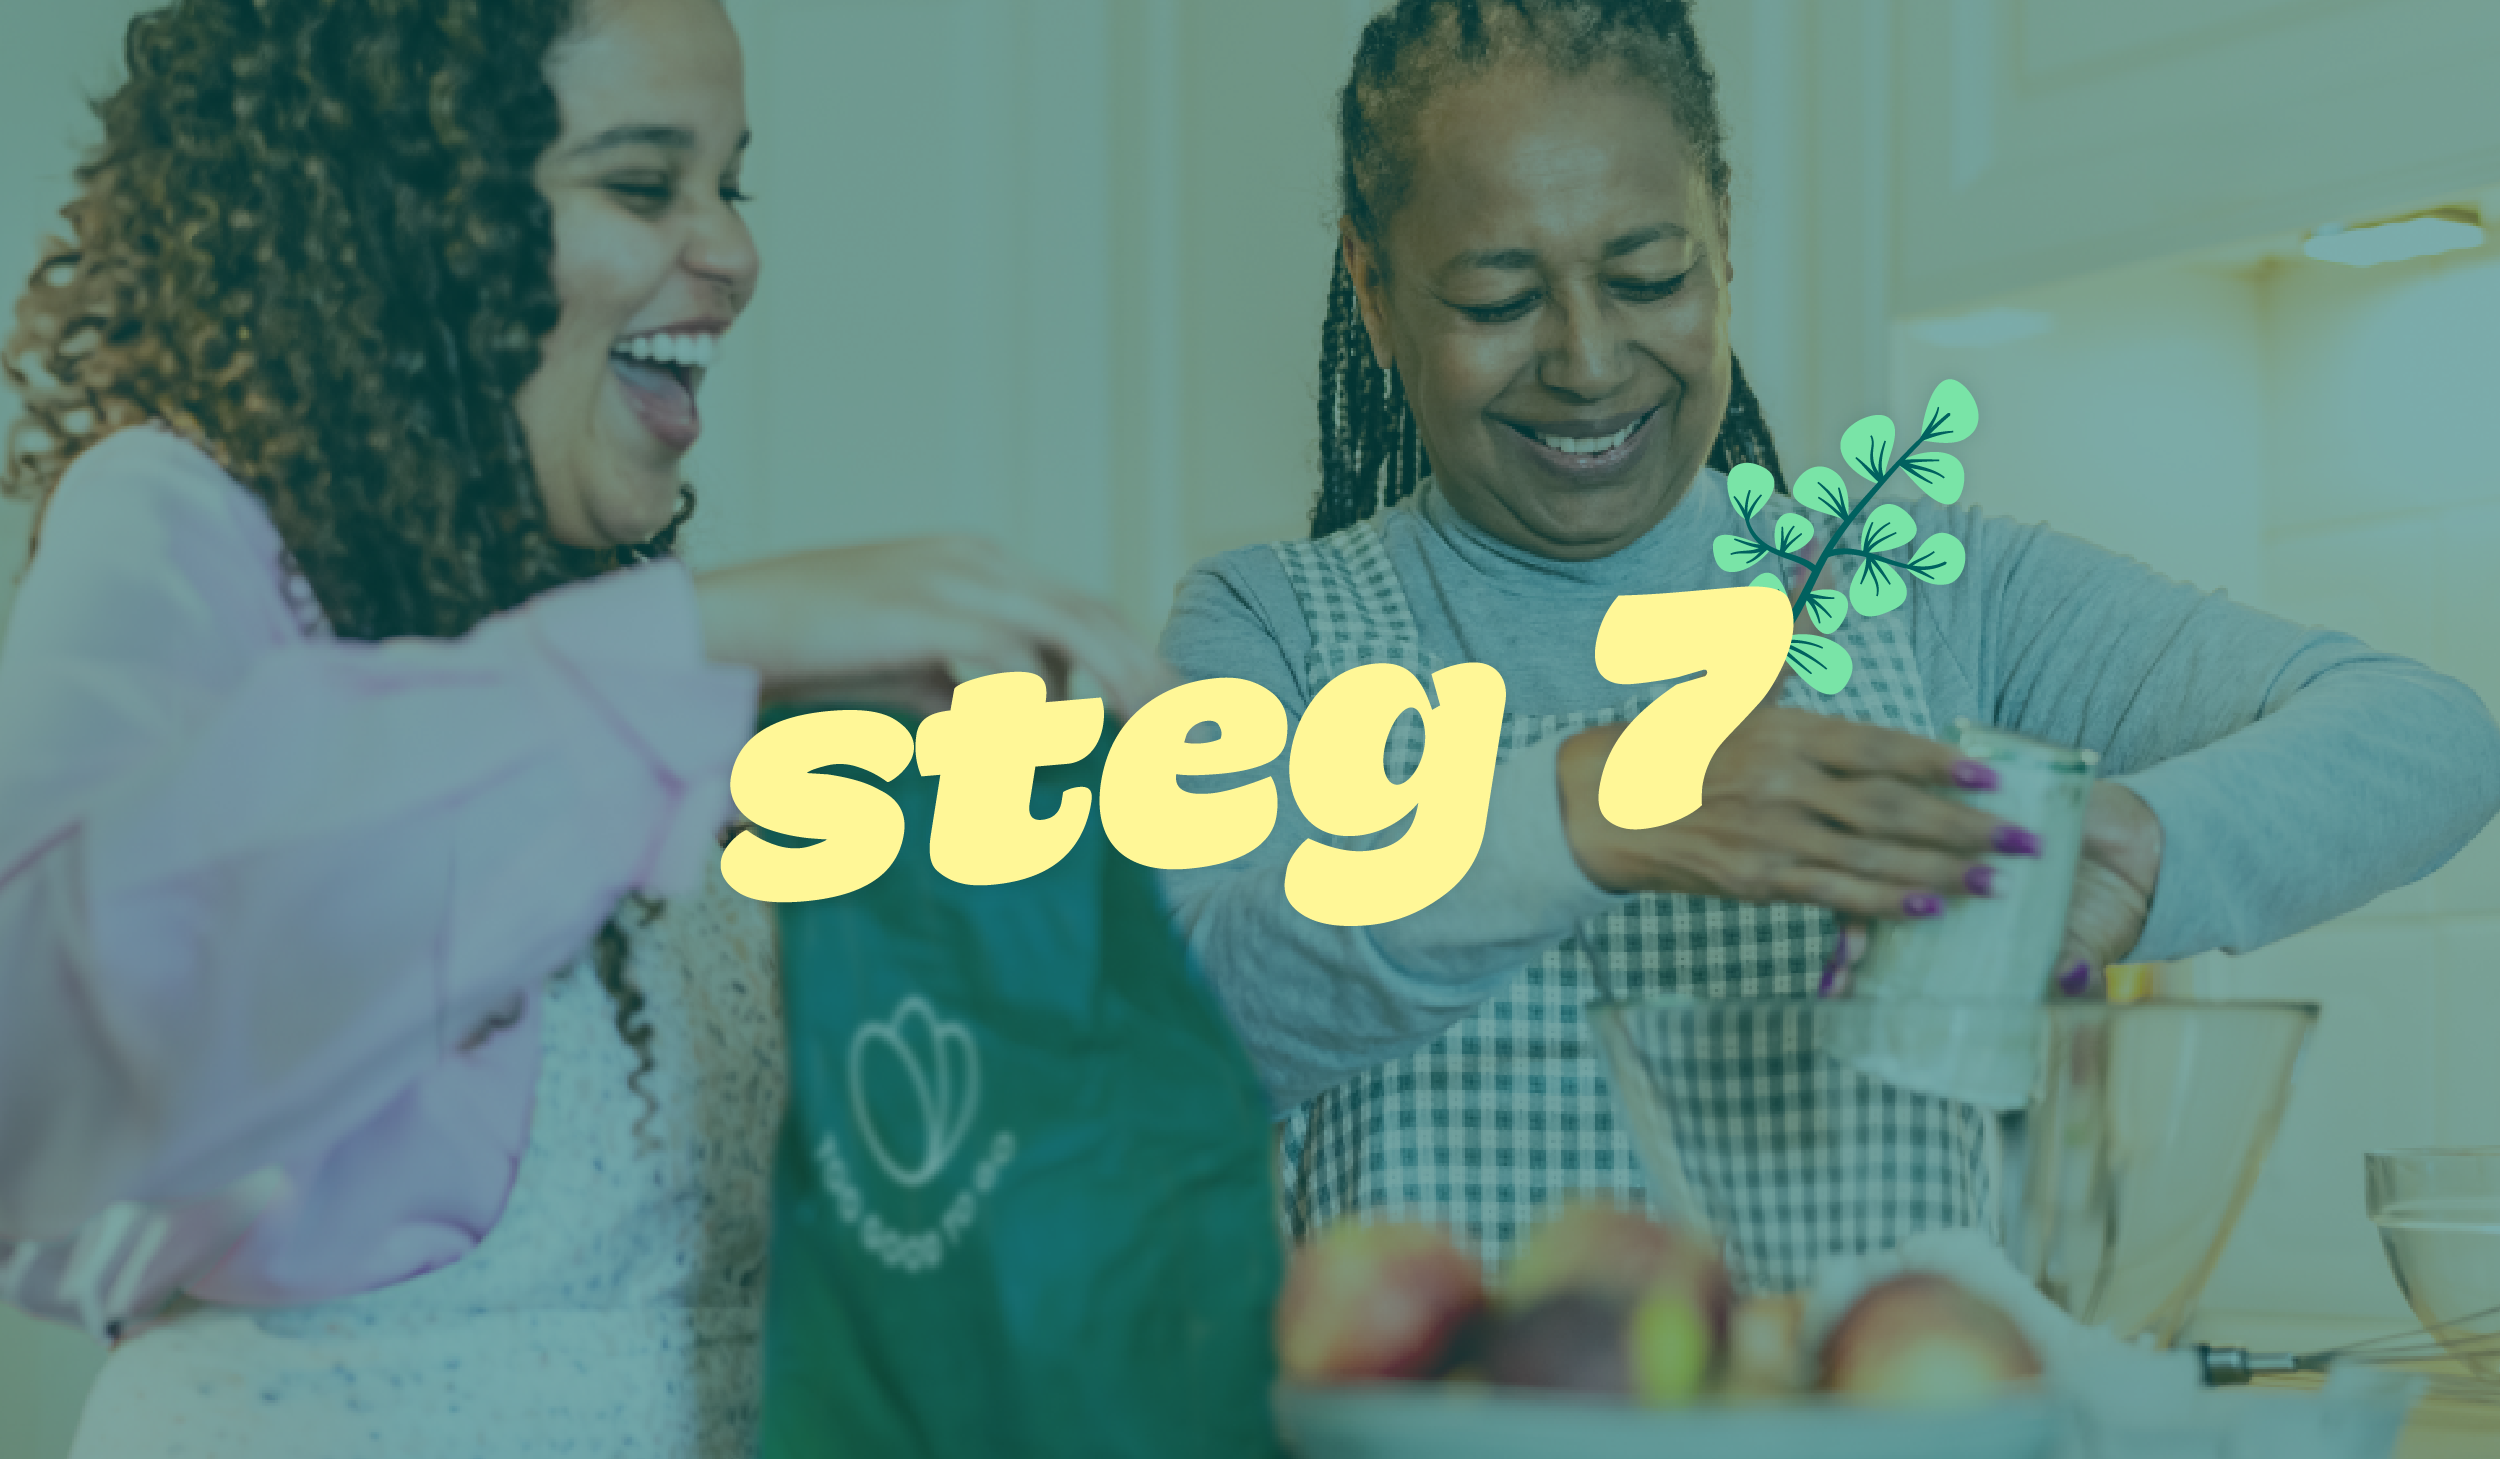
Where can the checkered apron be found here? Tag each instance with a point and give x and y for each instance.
(1509, 1108)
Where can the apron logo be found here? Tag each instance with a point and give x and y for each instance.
(944, 1070)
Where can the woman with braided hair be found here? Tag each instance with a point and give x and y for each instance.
(351, 688)
(1527, 404)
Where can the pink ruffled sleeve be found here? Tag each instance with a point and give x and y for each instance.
(256, 886)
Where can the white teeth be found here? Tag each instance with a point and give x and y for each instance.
(694, 350)
(1588, 445)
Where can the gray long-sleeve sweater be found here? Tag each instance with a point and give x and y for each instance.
(2297, 773)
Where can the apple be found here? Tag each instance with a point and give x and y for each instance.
(1604, 1300)
(1389, 1300)
(1595, 1247)
(1674, 1342)
(1591, 1246)
(1570, 1340)
(1653, 1347)
(1764, 1340)
(1924, 1341)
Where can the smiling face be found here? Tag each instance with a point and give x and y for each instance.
(1555, 302)
(652, 261)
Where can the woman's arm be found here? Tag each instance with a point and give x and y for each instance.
(253, 885)
(1317, 1004)
(2296, 772)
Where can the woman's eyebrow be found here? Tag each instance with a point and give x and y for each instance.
(676, 138)
(1640, 238)
(1513, 260)
(680, 139)
(1509, 260)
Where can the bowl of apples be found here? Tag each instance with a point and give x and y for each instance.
(2106, 1149)
(1611, 1333)
(2085, 1160)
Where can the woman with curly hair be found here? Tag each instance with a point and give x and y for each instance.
(353, 687)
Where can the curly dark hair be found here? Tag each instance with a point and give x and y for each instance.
(311, 243)
(1370, 456)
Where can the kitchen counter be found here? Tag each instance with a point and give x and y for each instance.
(2441, 1428)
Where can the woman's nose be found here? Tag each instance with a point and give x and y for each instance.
(723, 252)
(1584, 357)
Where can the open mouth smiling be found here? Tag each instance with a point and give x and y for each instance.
(1587, 445)
(661, 370)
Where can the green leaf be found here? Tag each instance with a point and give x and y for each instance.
(1735, 554)
(1820, 662)
(1951, 415)
(1887, 527)
(1748, 486)
(1822, 489)
(1827, 608)
(1878, 587)
(1937, 474)
(1938, 560)
(1772, 581)
(1867, 446)
(1793, 532)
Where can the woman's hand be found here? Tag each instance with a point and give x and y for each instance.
(2114, 880)
(1801, 807)
(902, 623)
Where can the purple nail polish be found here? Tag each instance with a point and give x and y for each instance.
(1923, 904)
(2075, 979)
(1974, 775)
(1831, 975)
(2015, 841)
(1982, 880)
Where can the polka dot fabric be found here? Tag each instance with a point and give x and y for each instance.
(614, 1310)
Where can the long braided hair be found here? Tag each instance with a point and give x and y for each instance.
(310, 242)
(1370, 455)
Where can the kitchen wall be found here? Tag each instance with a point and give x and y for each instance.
(2382, 500)
(1064, 288)
(52, 57)
(55, 57)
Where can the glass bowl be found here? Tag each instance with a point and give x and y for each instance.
(2438, 1215)
(2107, 1147)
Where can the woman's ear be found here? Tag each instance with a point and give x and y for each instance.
(1371, 290)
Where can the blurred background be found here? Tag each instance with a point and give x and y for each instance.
(1054, 270)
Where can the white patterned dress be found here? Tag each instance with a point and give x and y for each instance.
(1508, 1108)
(615, 1308)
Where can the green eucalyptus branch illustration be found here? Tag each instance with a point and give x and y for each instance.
(1881, 580)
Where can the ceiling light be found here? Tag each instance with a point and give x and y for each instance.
(2441, 230)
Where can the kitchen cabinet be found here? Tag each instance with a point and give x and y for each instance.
(1906, 158)
(2040, 139)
